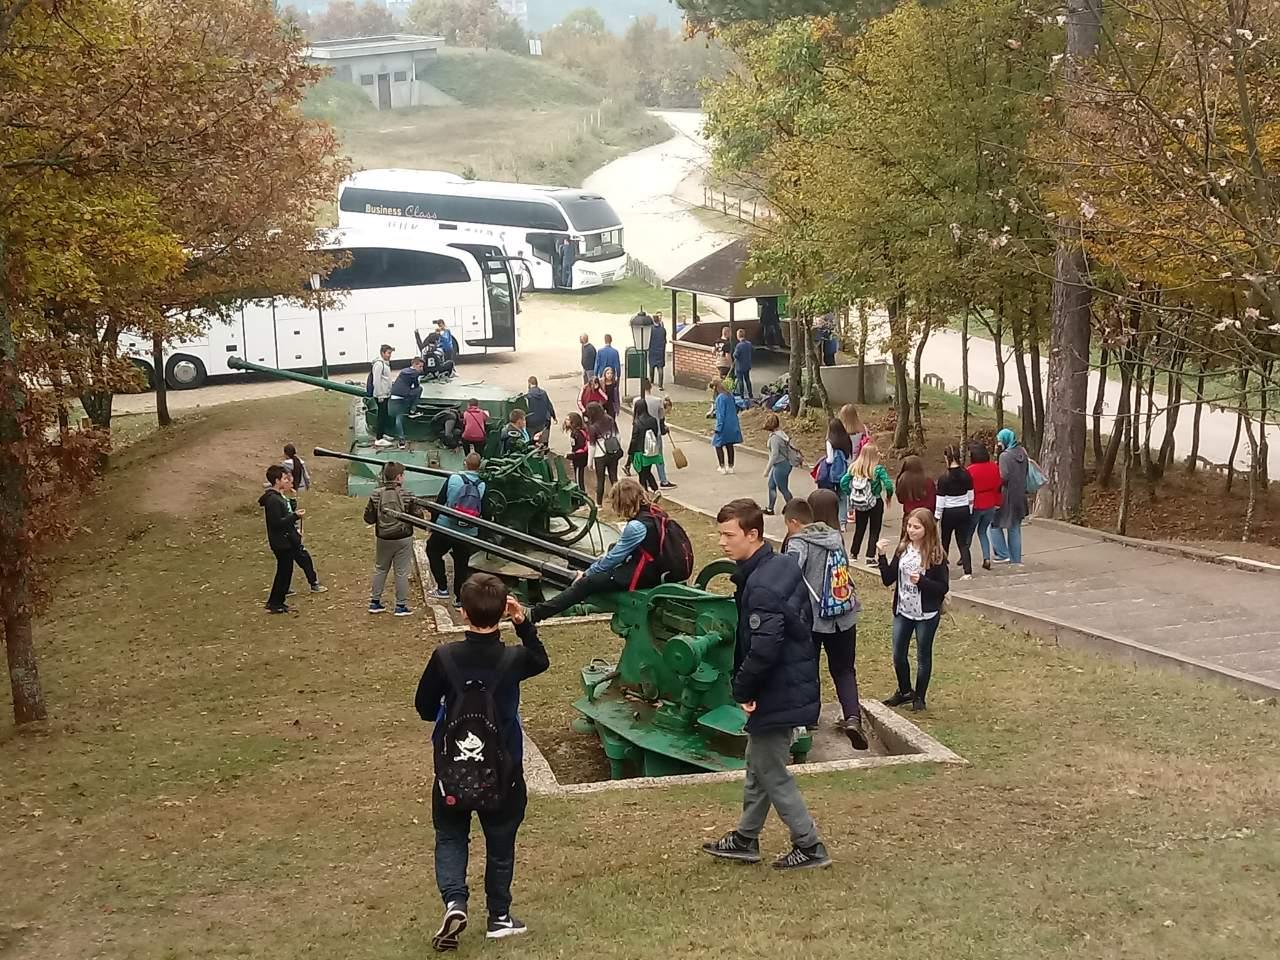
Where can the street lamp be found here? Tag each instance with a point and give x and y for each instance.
(641, 330)
(324, 356)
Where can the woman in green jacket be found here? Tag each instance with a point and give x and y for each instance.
(867, 487)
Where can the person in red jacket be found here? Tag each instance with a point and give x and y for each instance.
(986, 496)
(913, 489)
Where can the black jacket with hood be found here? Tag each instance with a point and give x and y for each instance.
(282, 522)
(776, 660)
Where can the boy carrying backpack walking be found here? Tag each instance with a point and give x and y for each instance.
(470, 690)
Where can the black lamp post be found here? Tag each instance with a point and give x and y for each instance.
(324, 356)
(641, 334)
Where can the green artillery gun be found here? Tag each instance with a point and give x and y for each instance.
(665, 706)
(529, 492)
(432, 428)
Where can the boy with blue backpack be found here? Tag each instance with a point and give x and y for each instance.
(464, 492)
(814, 540)
(470, 690)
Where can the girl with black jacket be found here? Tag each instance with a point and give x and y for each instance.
(642, 424)
(918, 575)
(579, 444)
(954, 508)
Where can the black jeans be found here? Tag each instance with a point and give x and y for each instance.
(868, 522)
(647, 480)
(453, 839)
(656, 375)
(720, 454)
(382, 417)
(438, 544)
(924, 630)
(744, 383)
(841, 648)
(602, 467)
(610, 581)
(958, 520)
(284, 577)
(476, 445)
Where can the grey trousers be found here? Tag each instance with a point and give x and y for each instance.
(392, 552)
(769, 783)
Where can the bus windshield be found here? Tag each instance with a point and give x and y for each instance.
(588, 212)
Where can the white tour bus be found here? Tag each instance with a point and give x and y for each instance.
(537, 226)
(395, 286)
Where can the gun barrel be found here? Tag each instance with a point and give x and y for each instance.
(549, 571)
(564, 553)
(239, 363)
(375, 462)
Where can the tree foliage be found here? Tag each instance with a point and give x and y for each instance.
(468, 23)
(154, 160)
(343, 18)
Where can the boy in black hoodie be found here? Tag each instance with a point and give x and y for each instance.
(284, 539)
(482, 657)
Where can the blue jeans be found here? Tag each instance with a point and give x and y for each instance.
(843, 510)
(1007, 544)
(453, 838)
(778, 475)
(662, 464)
(398, 408)
(903, 628)
(744, 383)
(982, 523)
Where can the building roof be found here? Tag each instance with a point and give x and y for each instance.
(724, 274)
(372, 46)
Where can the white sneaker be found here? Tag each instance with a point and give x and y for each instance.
(967, 576)
(719, 469)
(728, 470)
(384, 442)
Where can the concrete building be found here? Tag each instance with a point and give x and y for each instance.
(391, 70)
(517, 10)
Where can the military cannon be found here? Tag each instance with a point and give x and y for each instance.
(528, 492)
(433, 423)
(664, 706)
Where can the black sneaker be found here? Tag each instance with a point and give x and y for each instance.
(505, 926)
(800, 858)
(986, 564)
(852, 727)
(455, 921)
(667, 485)
(918, 704)
(768, 511)
(280, 609)
(899, 698)
(734, 846)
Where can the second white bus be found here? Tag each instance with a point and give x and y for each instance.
(564, 239)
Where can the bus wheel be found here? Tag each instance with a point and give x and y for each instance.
(148, 374)
(184, 372)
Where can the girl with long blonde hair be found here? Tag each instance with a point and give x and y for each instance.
(920, 580)
(867, 488)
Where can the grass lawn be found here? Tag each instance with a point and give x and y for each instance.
(217, 783)
(517, 119)
(625, 297)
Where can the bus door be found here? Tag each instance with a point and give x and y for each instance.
(499, 292)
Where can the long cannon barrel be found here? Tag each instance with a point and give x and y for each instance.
(549, 571)
(565, 553)
(375, 462)
(237, 363)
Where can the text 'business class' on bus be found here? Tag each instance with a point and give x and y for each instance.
(560, 238)
(392, 288)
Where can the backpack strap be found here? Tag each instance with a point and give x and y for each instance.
(506, 663)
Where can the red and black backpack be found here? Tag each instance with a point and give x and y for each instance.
(666, 556)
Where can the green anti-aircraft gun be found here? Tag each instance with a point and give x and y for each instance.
(666, 705)
(529, 490)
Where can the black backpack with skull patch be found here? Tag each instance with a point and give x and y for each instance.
(474, 770)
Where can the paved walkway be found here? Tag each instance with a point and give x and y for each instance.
(1213, 621)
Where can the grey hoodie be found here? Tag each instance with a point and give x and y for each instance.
(1013, 476)
(810, 546)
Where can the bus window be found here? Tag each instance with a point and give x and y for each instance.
(375, 267)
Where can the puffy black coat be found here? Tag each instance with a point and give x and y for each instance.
(776, 660)
(282, 523)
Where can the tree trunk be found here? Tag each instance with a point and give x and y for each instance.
(1027, 410)
(1099, 402)
(1126, 428)
(1240, 414)
(1037, 390)
(795, 374)
(1174, 394)
(814, 365)
(1246, 528)
(898, 344)
(1147, 466)
(964, 377)
(15, 594)
(1195, 421)
(1062, 452)
(1264, 405)
(864, 333)
(997, 340)
(162, 388)
(919, 380)
(1119, 428)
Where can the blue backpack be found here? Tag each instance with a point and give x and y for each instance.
(832, 470)
(368, 384)
(469, 500)
(838, 596)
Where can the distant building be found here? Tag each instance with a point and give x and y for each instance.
(391, 70)
(517, 10)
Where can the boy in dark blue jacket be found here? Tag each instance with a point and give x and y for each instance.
(776, 681)
(743, 356)
(481, 656)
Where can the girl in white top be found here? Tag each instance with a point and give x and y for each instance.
(918, 574)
